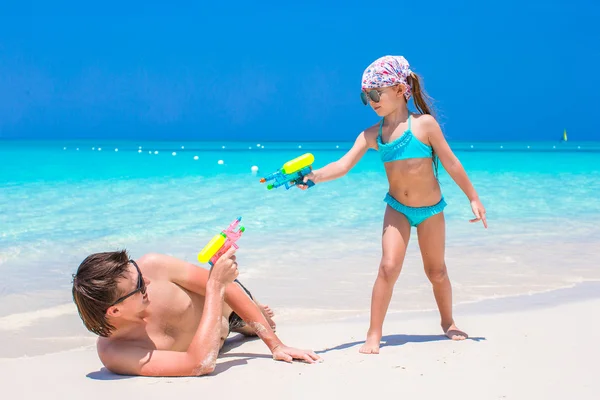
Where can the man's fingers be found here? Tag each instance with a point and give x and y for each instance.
(286, 358)
(308, 359)
(230, 252)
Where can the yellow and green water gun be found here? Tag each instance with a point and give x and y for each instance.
(220, 243)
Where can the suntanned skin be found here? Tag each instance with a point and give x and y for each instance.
(178, 327)
(413, 183)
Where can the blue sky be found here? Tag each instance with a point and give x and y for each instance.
(510, 70)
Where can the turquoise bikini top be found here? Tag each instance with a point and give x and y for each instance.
(405, 147)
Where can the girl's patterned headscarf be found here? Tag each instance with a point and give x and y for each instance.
(387, 71)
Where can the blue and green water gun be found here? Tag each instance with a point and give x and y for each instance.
(292, 173)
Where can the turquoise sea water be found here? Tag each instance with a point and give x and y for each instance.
(310, 254)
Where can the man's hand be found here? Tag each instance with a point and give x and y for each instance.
(284, 353)
(225, 269)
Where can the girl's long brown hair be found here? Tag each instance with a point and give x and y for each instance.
(423, 103)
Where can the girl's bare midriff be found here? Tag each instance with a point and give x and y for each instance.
(413, 183)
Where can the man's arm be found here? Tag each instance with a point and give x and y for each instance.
(194, 279)
(200, 357)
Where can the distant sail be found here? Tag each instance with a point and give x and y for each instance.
(564, 136)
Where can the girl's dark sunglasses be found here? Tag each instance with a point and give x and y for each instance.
(374, 95)
(141, 286)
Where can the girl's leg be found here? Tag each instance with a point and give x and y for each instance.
(432, 242)
(396, 233)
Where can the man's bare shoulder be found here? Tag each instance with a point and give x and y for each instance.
(153, 265)
(116, 354)
(131, 357)
(109, 347)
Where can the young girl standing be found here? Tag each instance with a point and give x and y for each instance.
(409, 145)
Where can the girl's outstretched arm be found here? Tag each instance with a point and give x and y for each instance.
(453, 165)
(339, 168)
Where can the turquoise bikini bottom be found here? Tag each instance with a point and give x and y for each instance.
(415, 215)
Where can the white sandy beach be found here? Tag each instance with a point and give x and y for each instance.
(539, 347)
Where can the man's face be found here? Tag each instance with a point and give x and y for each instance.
(135, 295)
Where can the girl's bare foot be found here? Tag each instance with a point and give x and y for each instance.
(454, 333)
(371, 345)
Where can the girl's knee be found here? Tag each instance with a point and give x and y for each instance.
(437, 274)
(389, 269)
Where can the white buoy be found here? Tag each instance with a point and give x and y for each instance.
(140, 151)
(93, 148)
(471, 146)
(182, 147)
(262, 147)
(337, 147)
(299, 147)
(527, 146)
(77, 149)
(99, 148)
(222, 147)
(258, 145)
(501, 147)
(116, 149)
(156, 152)
(254, 168)
(150, 152)
(173, 153)
(250, 148)
(140, 147)
(195, 157)
(553, 147)
(220, 162)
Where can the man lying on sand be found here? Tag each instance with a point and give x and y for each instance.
(161, 316)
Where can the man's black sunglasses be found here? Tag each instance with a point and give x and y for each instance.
(141, 286)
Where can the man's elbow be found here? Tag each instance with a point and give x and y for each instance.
(204, 369)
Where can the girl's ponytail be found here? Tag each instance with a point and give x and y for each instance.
(423, 104)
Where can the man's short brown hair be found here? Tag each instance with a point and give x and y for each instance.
(95, 288)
